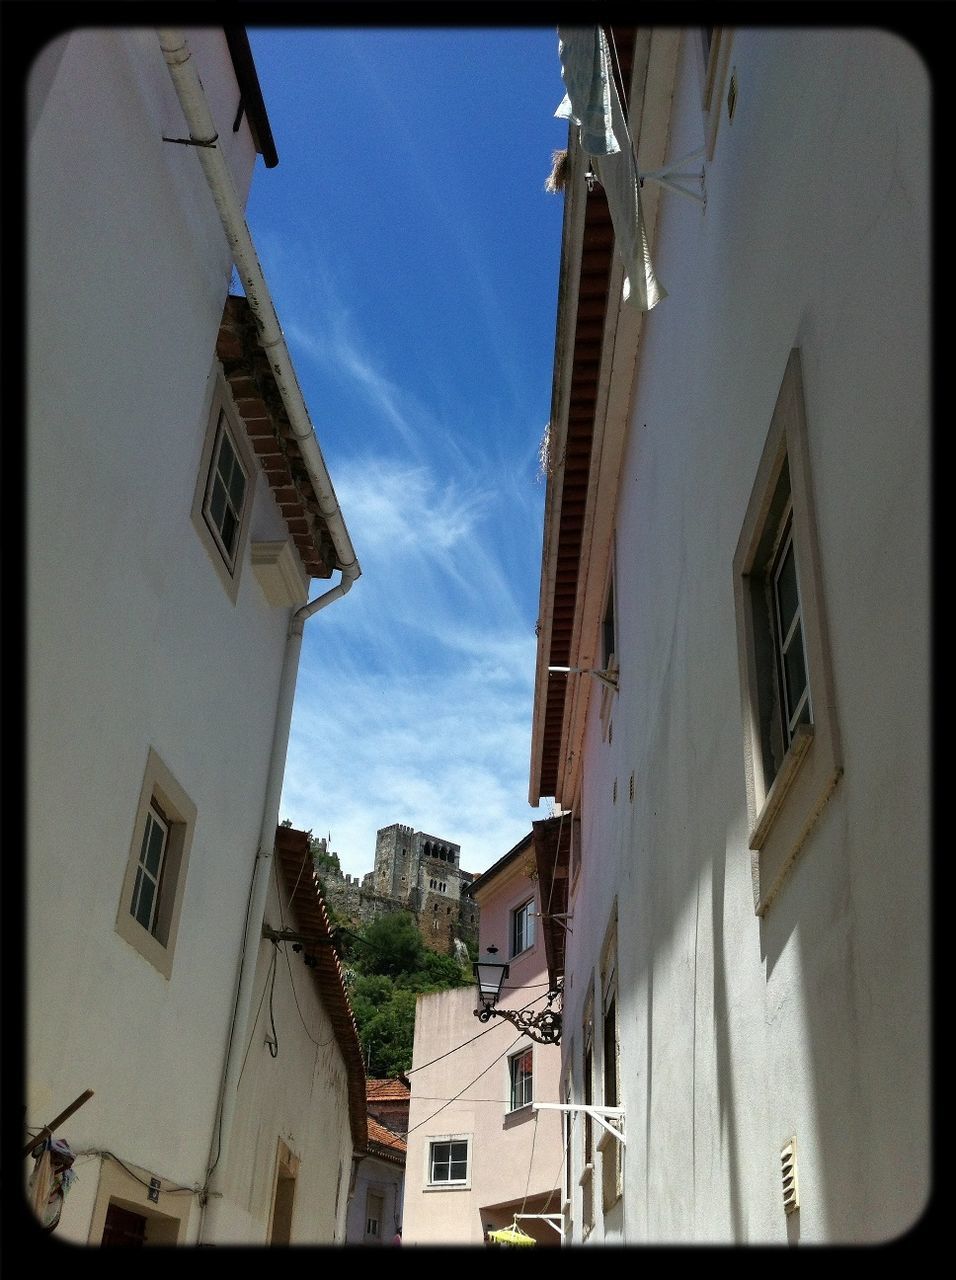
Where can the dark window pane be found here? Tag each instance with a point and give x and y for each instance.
(229, 527)
(237, 486)
(227, 457)
(145, 905)
(217, 502)
(796, 671)
(153, 840)
(459, 1171)
(787, 590)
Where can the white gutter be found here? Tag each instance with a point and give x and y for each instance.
(203, 134)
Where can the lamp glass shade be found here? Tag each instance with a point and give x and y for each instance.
(489, 977)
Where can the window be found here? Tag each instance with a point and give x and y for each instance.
(152, 892)
(149, 868)
(519, 1068)
(374, 1206)
(567, 1127)
(587, 1082)
(575, 858)
(791, 744)
(448, 1159)
(612, 1151)
(608, 640)
(609, 659)
(713, 59)
(522, 927)
(224, 490)
(225, 493)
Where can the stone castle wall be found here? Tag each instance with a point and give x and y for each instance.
(414, 872)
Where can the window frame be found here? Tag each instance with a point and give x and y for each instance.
(782, 808)
(517, 1088)
(159, 791)
(449, 1184)
(713, 61)
(525, 912)
(155, 821)
(611, 1149)
(379, 1195)
(586, 1180)
(222, 418)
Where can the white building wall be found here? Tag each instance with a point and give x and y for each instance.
(300, 1097)
(384, 1178)
(461, 1086)
(132, 641)
(737, 1033)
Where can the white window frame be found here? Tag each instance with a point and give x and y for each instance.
(223, 420)
(373, 1225)
(612, 1151)
(447, 1184)
(522, 928)
(712, 65)
(149, 877)
(161, 799)
(790, 770)
(586, 1180)
(218, 483)
(519, 1087)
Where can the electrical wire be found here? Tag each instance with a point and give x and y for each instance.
(318, 1044)
(484, 1071)
(232, 1023)
(252, 1034)
(465, 1043)
(565, 1157)
(171, 1191)
(527, 1185)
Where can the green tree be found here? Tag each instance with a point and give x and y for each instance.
(392, 946)
(388, 1035)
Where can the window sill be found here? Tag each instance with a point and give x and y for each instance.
(781, 785)
(517, 1116)
(587, 1175)
(448, 1186)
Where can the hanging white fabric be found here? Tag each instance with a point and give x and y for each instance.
(592, 103)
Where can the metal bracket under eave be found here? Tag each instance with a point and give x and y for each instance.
(673, 175)
(601, 1114)
(290, 935)
(555, 1220)
(562, 918)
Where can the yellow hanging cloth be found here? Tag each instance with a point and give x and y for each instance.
(512, 1235)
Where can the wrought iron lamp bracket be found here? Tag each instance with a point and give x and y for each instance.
(542, 1025)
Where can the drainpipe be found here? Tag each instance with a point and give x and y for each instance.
(203, 134)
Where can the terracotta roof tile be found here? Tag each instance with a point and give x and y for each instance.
(382, 1090)
(382, 1137)
(310, 917)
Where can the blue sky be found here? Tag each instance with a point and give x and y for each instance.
(412, 254)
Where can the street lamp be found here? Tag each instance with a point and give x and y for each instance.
(543, 1025)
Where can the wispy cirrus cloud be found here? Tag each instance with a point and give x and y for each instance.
(448, 756)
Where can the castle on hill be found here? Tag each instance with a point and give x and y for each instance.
(414, 872)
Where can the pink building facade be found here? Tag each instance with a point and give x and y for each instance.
(479, 1154)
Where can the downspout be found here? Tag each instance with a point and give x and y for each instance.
(203, 135)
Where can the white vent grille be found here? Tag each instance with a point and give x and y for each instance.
(788, 1170)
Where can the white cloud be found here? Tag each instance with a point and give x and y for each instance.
(445, 755)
